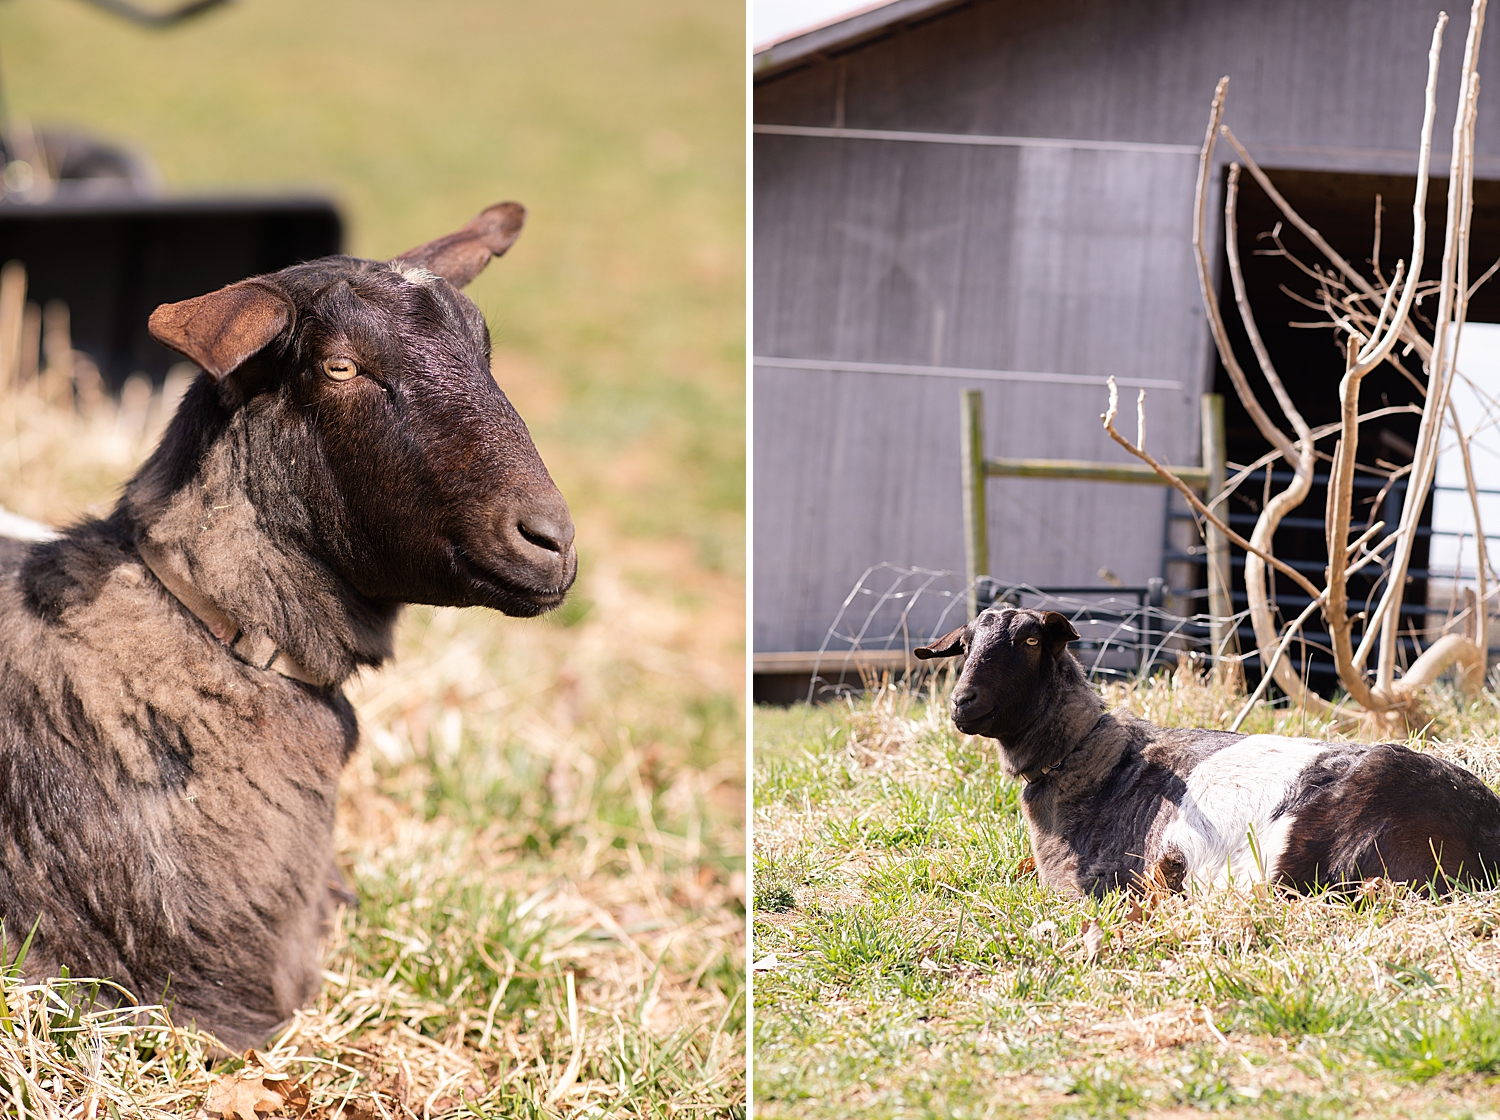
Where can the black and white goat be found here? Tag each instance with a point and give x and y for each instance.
(1111, 800)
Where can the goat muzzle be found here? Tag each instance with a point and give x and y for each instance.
(533, 543)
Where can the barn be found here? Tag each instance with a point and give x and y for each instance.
(998, 195)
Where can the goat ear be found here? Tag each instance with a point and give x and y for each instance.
(949, 645)
(461, 256)
(222, 330)
(1057, 629)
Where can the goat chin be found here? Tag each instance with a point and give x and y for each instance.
(172, 728)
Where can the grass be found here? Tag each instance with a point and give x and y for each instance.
(545, 820)
(908, 964)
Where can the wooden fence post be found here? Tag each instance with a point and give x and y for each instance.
(976, 539)
(1220, 606)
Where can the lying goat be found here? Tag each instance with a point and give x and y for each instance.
(171, 722)
(1111, 800)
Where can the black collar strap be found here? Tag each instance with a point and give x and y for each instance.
(252, 644)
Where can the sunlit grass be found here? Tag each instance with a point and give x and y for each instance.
(913, 966)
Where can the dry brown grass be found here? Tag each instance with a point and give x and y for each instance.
(544, 824)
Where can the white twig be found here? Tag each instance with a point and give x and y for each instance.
(1167, 476)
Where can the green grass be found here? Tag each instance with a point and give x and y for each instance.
(912, 965)
(545, 820)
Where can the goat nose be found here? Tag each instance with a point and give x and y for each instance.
(539, 534)
(963, 698)
(550, 530)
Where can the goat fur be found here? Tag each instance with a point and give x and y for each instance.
(166, 808)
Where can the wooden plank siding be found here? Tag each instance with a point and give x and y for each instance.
(1336, 74)
(1023, 255)
(1022, 261)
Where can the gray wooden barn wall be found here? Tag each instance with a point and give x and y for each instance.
(1329, 74)
(916, 254)
(1022, 259)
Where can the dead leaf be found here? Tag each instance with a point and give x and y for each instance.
(1026, 868)
(1093, 940)
(1166, 876)
(296, 1096)
(357, 1110)
(239, 1096)
(1136, 913)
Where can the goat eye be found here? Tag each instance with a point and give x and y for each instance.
(340, 369)
(1032, 641)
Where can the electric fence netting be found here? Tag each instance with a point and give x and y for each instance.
(1124, 632)
(891, 609)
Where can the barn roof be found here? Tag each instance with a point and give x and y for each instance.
(868, 23)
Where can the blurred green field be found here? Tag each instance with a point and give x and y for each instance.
(618, 316)
(545, 821)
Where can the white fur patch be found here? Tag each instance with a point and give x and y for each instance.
(1223, 828)
(19, 528)
(413, 273)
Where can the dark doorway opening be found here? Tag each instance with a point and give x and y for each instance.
(1342, 208)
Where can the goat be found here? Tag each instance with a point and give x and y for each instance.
(1111, 801)
(172, 726)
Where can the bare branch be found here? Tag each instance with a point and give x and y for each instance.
(1363, 539)
(1257, 587)
(1447, 651)
(1295, 218)
(1385, 304)
(1482, 559)
(1268, 670)
(1166, 475)
(1318, 433)
(1336, 524)
(1484, 279)
(1247, 317)
(1424, 462)
(1274, 435)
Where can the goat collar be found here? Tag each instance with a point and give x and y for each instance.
(251, 644)
(1037, 773)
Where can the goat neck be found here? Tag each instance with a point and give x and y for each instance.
(220, 505)
(1048, 732)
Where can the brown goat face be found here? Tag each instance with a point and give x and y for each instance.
(425, 486)
(1009, 651)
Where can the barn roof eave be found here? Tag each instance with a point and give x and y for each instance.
(774, 58)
